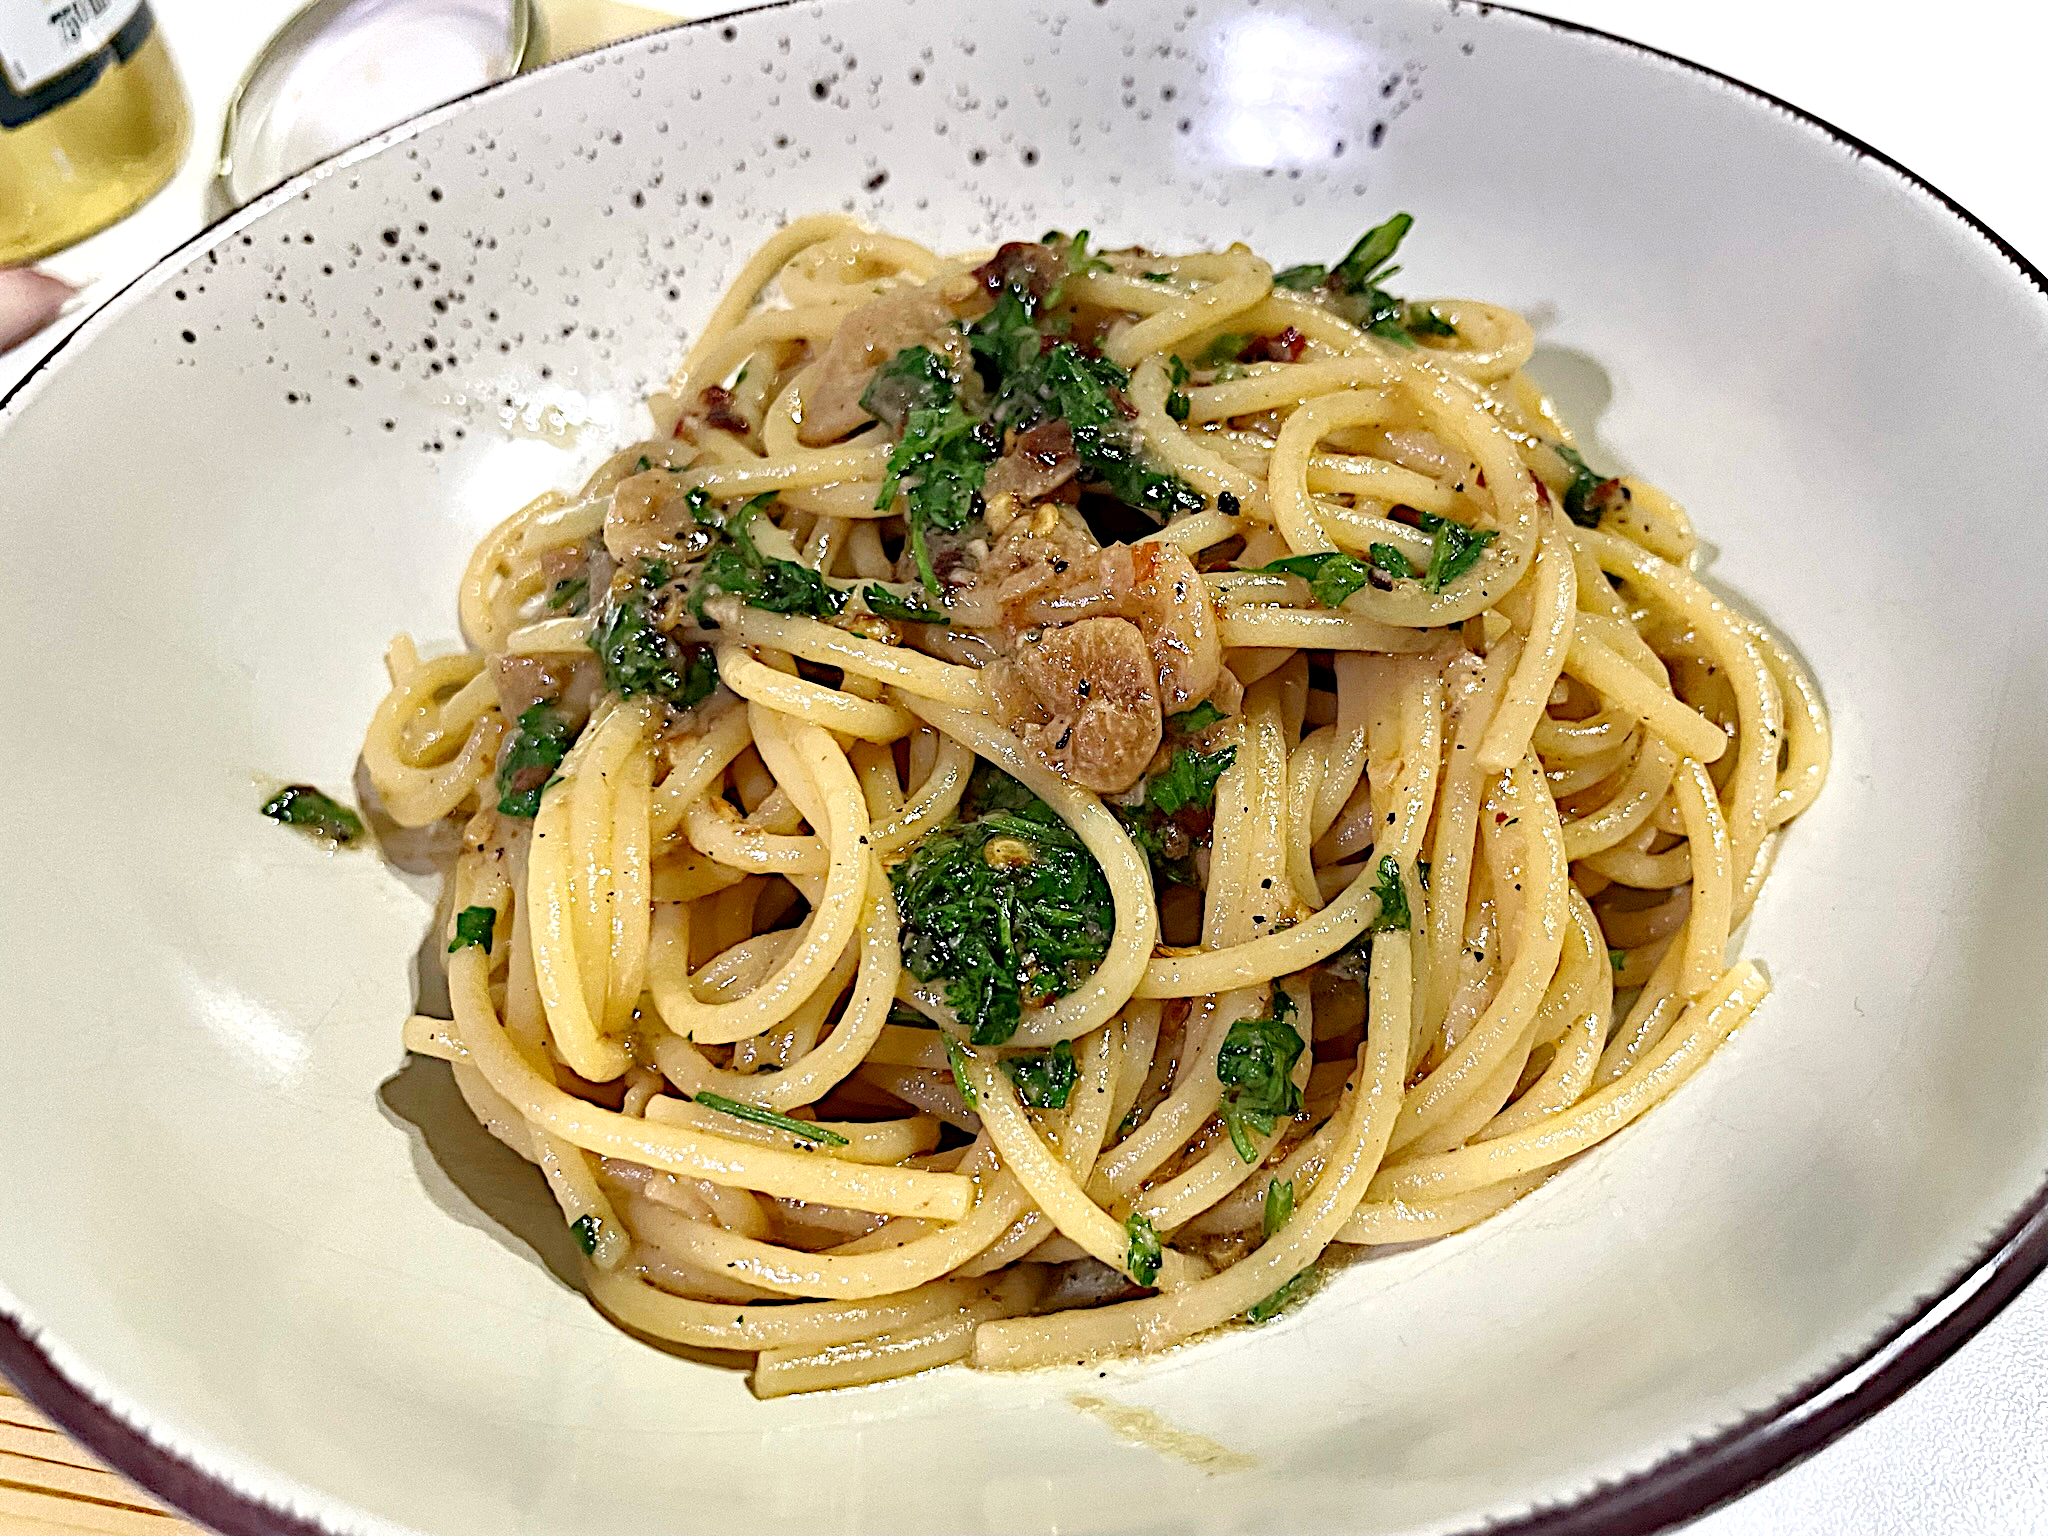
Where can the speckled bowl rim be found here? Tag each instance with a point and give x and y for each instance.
(1710, 1472)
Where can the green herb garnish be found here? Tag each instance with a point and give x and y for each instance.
(1332, 577)
(639, 658)
(1178, 405)
(1279, 1205)
(1189, 779)
(1265, 1311)
(1617, 957)
(303, 806)
(737, 568)
(585, 1229)
(915, 379)
(887, 605)
(1455, 550)
(802, 1129)
(1084, 391)
(1256, 1065)
(1192, 722)
(1426, 320)
(957, 1058)
(1355, 285)
(1160, 823)
(1080, 263)
(1393, 895)
(942, 458)
(1044, 1079)
(539, 743)
(1391, 561)
(474, 925)
(1578, 495)
(1032, 377)
(1005, 906)
(571, 592)
(1223, 349)
(1145, 1255)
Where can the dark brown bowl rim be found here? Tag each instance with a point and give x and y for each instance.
(1683, 1486)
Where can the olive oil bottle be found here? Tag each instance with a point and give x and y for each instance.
(93, 119)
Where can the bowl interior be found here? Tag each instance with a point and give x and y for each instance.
(259, 1231)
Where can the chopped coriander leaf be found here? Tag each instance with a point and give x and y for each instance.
(1112, 458)
(957, 1058)
(571, 592)
(1189, 779)
(1178, 405)
(886, 604)
(1455, 550)
(1006, 338)
(991, 789)
(803, 1129)
(303, 806)
(585, 1230)
(638, 658)
(1006, 906)
(1224, 349)
(1192, 722)
(1578, 495)
(1085, 392)
(1279, 1205)
(1393, 895)
(1145, 1255)
(904, 1016)
(1331, 576)
(700, 677)
(1129, 1123)
(1617, 957)
(1065, 382)
(1425, 320)
(1175, 809)
(1388, 558)
(914, 379)
(942, 457)
(737, 568)
(1157, 277)
(539, 743)
(643, 464)
(1366, 262)
(1265, 1311)
(1044, 1079)
(474, 925)
(1256, 1064)
(1079, 262)
(1356, 286)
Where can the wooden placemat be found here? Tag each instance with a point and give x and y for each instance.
(49, 1487)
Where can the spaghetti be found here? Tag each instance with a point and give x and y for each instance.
(1061, 788)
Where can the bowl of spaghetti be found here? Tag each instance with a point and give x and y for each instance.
(835, 791)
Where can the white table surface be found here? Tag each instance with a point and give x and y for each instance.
(1956, 94)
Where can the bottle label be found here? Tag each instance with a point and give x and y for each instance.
(41, 39)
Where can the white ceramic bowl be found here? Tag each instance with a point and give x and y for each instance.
(254, 1257)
